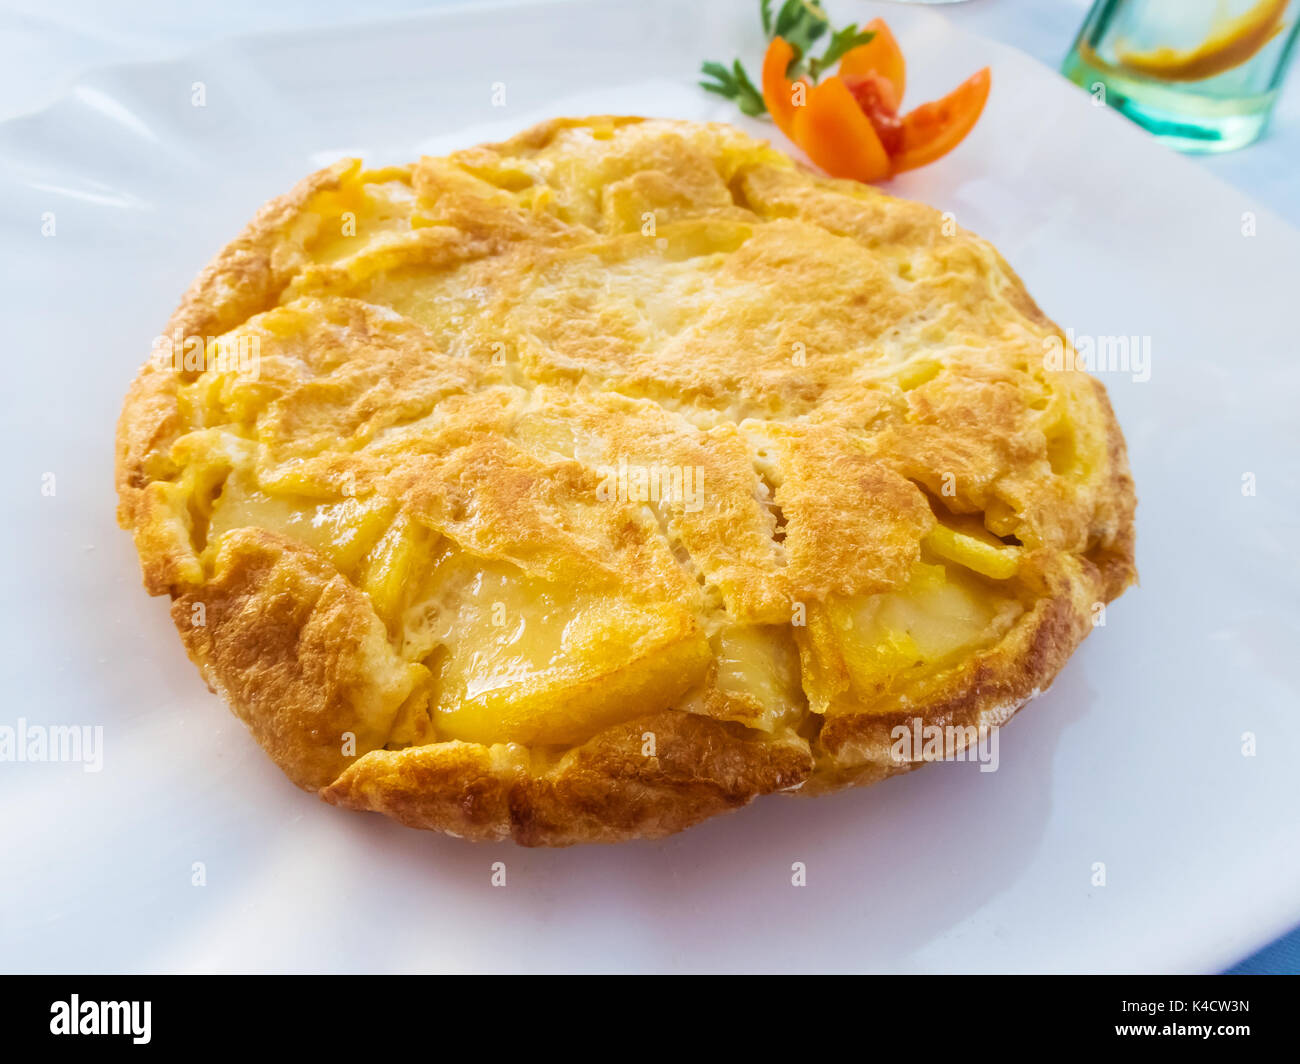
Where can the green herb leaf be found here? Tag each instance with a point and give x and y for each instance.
(842, 41)
(734, 84)
(802, 23)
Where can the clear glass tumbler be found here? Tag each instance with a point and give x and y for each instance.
(1201, 75)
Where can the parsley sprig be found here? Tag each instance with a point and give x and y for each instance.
(734, 84)
(802, 23)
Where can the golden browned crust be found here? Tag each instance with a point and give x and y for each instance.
(606, 790)
(453, 357)
(245, 277)
(985, 693)
(298, 652)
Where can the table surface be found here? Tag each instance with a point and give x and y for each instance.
(46, 44)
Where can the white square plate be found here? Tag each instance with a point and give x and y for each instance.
(1134, 759)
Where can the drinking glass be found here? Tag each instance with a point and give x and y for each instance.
(1201, 75)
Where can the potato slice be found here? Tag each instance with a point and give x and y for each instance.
(343, 530)
(893, 640)
(393, 567)
(529, 662)
(980, 554)
(759, 670)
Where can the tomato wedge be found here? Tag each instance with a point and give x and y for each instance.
(880, 55)
(875, 97)
(837, 136)
(849, 125)
(935, 128)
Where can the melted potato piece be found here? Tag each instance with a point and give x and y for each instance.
(518, 660)
(344, 530)
(882, 645)
(758, 668)
(977, 550)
